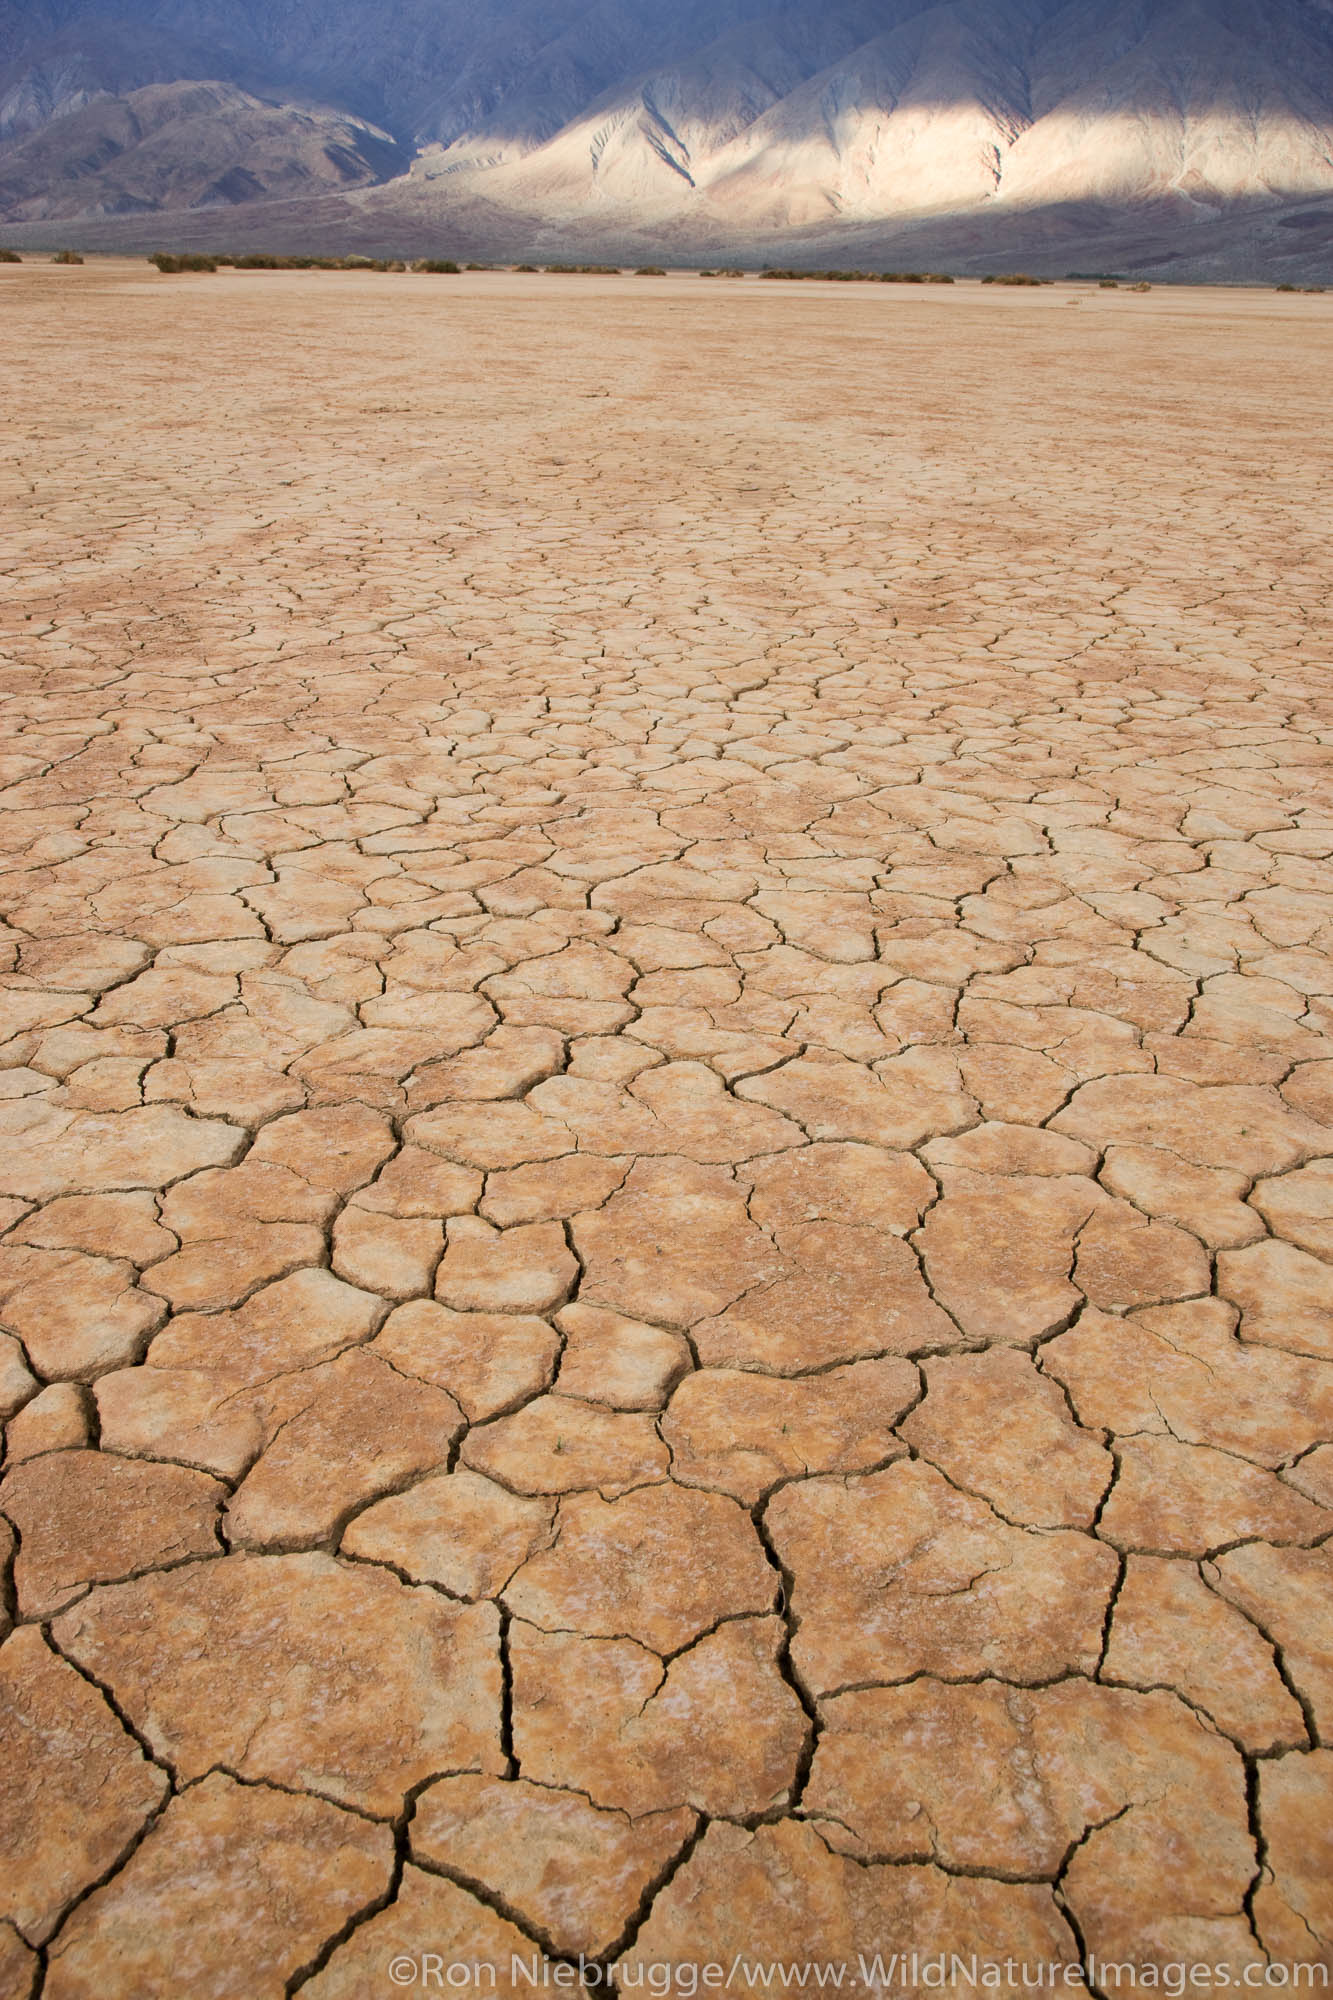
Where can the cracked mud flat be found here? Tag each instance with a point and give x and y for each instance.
(668, 1129)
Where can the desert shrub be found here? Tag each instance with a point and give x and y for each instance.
(67, 257)
(584, 271)
(1286, 288)
(437, 267)
(184, 260)
(1141, 287)
(938, 278)
(1108, 284)
(476, 267)
(10, 257)
(1315, 291)
(529, 268)
(650, 271)
(1014, 278)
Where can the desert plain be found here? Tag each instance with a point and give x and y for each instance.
(667, 1131)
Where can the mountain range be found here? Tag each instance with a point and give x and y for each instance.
(1186, 137)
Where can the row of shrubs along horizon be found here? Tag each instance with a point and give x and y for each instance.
(173, 261)
(266, 261)
(263, 260)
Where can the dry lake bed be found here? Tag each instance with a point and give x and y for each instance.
(667, 1125)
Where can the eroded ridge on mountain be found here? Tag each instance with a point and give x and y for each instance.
(668, 1128)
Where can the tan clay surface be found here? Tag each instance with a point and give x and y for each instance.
(666, 1129)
